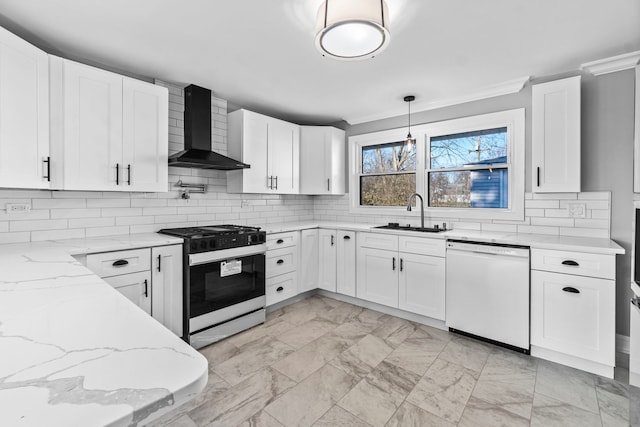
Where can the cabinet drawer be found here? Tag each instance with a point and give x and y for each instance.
(387, 242)
(280, 288)
(282, 240)
(136, 287)
(422, 246)
(121, 262)
(280, 261)
(580, 263)
(574, 315)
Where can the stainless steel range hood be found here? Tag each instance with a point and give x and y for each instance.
(197, 135)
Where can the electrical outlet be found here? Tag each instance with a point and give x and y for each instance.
(18, 207)
(577, 210)
(244, 204)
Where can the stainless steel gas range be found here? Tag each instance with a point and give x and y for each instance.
(224, 281)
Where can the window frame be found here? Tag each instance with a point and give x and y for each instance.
(513, 120)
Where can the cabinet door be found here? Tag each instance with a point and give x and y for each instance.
(253, 141)
(421, 285)
(309, 258)
(166, 278)
(327, 260)
(556, 136)
(377, 276)
(284, 156)
(313, 160)
(573, 315)
(135, 286)
(24, 113)
(336, 156)
(346, 263)
(145, 136)
(93, 129)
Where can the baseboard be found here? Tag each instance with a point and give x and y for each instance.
(622, 344)
(574, 362)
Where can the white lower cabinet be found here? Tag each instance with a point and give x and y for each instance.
(327, 259)
(346, 263)
(308, 276)
(150, 277)
(281, 266)
(411, 279)
(573, 315)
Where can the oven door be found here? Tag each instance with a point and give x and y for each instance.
(225, 284)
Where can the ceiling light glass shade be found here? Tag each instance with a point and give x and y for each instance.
(352, 29)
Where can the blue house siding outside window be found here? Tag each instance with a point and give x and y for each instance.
(489, 187)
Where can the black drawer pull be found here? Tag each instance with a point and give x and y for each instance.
(120, 263)
(146, 289)
(280, 261)
(280, 241)
(347, 237)
(279, 289)
(393, 264)
(571, 290)
(48, 162)
(570, 262)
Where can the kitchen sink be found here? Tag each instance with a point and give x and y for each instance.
(393, 226)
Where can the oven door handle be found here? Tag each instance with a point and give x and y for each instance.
(225, 254)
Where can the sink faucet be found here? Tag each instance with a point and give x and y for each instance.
(411, 197)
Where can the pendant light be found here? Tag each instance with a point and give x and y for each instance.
(352, 29)
(410, 140)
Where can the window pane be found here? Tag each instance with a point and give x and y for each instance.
(483, 188)
(387, 190)
(469, 148)
(391, 157)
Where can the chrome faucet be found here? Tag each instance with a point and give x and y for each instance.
(411, 197)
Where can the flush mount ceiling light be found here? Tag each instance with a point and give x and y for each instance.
(352, 29)
(410, 140)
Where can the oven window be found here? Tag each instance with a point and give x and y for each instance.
(222, 284)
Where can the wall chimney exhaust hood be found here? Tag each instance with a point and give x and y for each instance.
(197, 135)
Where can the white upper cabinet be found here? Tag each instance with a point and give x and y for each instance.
(556, 136)
(24, 114)
(110, 132)
(322, 160)
(270, 146)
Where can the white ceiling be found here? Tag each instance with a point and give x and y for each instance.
(260, 54)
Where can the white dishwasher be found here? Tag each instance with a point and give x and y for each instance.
(487, 292)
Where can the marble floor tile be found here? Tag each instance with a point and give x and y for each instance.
(307, 402)
(444, 390)
(243, 400)
(340, 314)
(634, 406)
(313, 356)
(338, 417)
(305, 333)
(466, 352)
(548, 412)
(220, 351)
(394, 331)
(350, 364)
(377, 396)
(370, 350)
(568, 385)
(432, 332)
(297, 313)
(253, 357)
(479, 413)
(261, 419)
(416, 353)
(614, 408)
(409, 415)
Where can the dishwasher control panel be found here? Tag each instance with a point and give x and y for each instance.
(488, 248)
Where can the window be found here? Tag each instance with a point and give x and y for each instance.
(472, 167)
(388, 174)
(469, 170)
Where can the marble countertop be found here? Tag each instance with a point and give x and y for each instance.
(74, 351)
(537, 241)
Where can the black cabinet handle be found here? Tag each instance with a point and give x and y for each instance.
(347, 237)
(570, 262)
(269, 182)
(332, 242)
(117, 173)
(280, 241)
(276, 182)
(120, 263)
(280, 261)
(328, 184)
(48, 162)
(538, 176)
(128, 174)
(571, 290)
(279, 289)
(159, 263)
(393, 264)
(401, 264)
(146, 289)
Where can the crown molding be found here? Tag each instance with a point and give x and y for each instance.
(504, 88)
(612, 64)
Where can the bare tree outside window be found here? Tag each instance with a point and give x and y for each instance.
(388, 174)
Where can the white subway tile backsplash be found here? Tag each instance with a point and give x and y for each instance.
(106, 231)
(542, 204)
(15, 237)
(43, 224)
(58, 203)
(584, 232)
(553, 222)
(76, 233)
(121, 211)
(91, 222)
(74, 213)
(536, 229)
(135, 220)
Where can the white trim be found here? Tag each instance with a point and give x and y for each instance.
(622, 344)
(573, 361)
(612, 64)
(513, 119)
(505, 88)
(636, 136)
